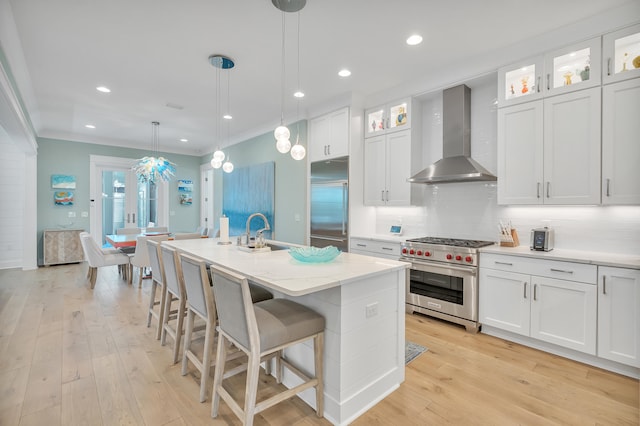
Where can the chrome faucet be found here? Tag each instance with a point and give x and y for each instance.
(259, 231)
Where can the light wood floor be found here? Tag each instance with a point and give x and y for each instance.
(69, 355)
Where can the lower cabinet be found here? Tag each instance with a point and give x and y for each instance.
(376, 248)
(619, 315)
(532, 297)
(61, 246)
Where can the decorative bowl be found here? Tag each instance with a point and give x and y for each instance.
(314, 254)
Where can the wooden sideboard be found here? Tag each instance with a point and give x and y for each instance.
(61, 246)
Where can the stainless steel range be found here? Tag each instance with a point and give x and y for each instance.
(444, 278)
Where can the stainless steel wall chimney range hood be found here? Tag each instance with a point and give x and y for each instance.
(456, 164)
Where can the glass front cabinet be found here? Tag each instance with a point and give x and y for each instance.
(621, 54)
(561, 71)
(388, 118)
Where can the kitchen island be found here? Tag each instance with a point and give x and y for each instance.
(362, 299)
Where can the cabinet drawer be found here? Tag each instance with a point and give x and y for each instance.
(375, 247)
(570, 271)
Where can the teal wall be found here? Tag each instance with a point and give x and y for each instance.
(72, 158)
(290, 181)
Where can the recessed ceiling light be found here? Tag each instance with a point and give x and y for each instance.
(103, 89)
(344, 73)
(299, 94)
(89, 126)
(184, 140)
(227, 116)
(414, 39)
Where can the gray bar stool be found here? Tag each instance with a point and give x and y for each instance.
(262, 330)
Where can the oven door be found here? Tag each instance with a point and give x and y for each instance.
(448, 289)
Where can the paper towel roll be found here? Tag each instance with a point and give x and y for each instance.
(224, 229)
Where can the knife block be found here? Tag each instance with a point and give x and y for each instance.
(510, 240)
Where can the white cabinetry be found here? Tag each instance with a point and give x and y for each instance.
(551, 301)
(563, 70)
(390, 117)
(390, 158)
(376, 248)
(549, 150)
(620, 50)
(329, 135)
(619, 315)
(620, 147)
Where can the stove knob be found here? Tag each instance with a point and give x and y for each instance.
(419, 252)
(404, 250)
(412, 251)
(427, 253)
(468, 259)
(458, 257)
(449, 257)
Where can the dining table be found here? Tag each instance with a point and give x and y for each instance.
(121, 241)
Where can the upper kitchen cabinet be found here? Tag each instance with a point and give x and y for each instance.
(329, 135)
(563, 70)
(620, 147)
(549, 150)
(621, 54)
(393, 116)
(520, 82)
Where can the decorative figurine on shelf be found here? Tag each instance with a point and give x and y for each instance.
(513, 92)
(567, 78)
(584, 74)
(624, 62)
(636, 62)
(401, 119)
(524, 81)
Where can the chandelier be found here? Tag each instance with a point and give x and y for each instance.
(152, 168)
(225, 63)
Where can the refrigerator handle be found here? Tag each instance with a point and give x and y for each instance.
(344, 209)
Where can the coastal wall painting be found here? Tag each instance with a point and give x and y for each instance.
(185, 185)
(249, 190)
(63, 198)
(63, 182)
(186, 199)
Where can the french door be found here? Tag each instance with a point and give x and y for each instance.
(118, 200)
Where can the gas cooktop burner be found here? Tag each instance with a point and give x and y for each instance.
(451, 242)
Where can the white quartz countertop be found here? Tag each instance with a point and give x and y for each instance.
(277, 270)
(590, 257)
(384, 238)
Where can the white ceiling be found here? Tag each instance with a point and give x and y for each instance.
(155, 52)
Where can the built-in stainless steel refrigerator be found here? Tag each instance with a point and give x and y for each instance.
(330, 203)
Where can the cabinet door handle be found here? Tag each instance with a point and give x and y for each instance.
(134, 218)
(561, 270)
(608, 66)
(387, 248)
(382, 195)
(548, 189)
(608, 187)
(128, 217)
(535, 292)
(548, 81)
(538, 85)
(525, 290)
(361, 245)
(538, 190)
(328, 149)
(387, 195)
(503, 263)
(604, 284)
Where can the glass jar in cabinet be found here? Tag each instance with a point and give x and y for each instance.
(520, 82)
(387, 118)
(573, 67)
(621, 54)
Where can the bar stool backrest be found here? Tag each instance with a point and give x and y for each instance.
(196, 284)
(157, 268)
(172, 271)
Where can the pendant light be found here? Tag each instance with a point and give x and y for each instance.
(154, 168)
(282, 134)
(297, 151)
(226, 63)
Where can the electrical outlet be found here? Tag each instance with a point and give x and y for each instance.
(84, 214)
(72, 214)
(372, 310)
(296, 217)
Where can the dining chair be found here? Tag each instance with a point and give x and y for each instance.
(96, 257)
(262, 331)
(174, 292)
(157, 229)
(140, 258)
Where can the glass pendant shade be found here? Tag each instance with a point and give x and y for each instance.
(218, 155)
(216, 164)
(154, 168)
(298, 152)
(281, 132)
(283, 145)
(227, 167)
